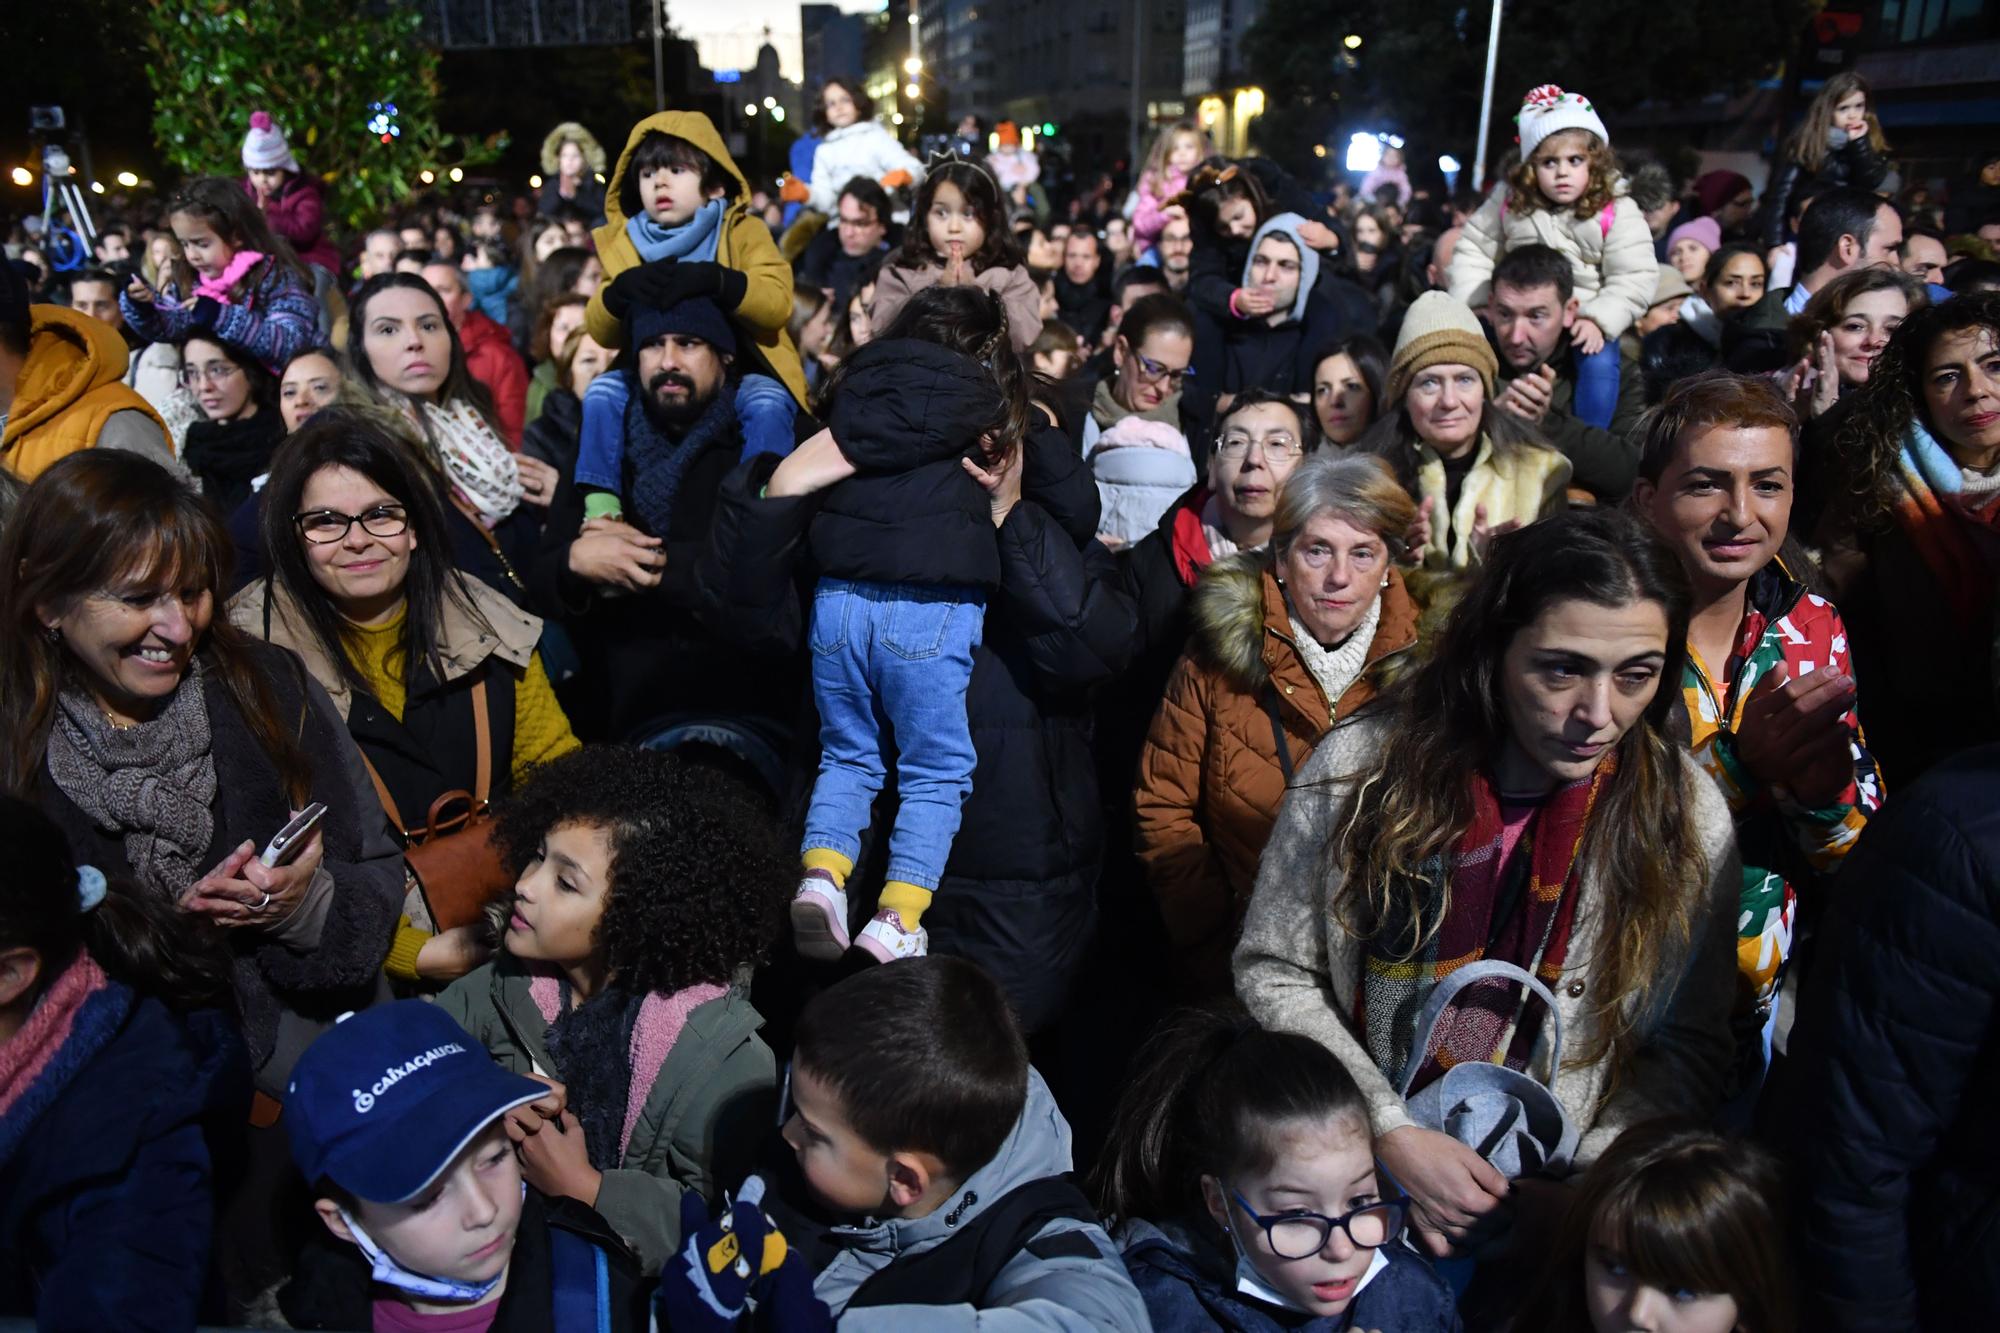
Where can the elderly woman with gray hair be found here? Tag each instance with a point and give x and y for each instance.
(1286, 641)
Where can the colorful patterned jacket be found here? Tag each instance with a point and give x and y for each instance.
(1782, 842)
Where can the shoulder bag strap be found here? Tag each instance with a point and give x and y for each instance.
(482, 745)
(1278, 732)
(382, 793)
(1445, 991)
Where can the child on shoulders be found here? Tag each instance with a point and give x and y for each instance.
(958, 237)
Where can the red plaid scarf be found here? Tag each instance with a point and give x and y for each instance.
(1520, 910)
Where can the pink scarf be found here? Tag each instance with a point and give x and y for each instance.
(661, 1018)
(224, 282)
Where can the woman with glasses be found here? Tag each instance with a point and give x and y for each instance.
(1520, 796)
(1287, 640)
(1476, 472)
(1242, 1189)
(1133, 437)
(416, 658)
(230, 446)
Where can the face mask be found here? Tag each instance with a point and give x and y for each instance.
(389, 1273)
(1250, 1283)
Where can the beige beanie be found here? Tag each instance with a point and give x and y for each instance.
(1439, 329)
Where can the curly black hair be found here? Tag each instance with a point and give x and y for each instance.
(699, 872)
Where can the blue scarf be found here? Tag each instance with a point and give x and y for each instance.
(694, 239)
(656, 464)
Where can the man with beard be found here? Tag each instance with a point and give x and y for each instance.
(626, 588)
(1176, 248)
(1532, 307)
(1083, 286)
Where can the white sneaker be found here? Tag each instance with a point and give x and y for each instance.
(885, 938)
(819, 918)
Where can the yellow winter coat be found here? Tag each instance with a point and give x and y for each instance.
(744, 245)
(70, 385)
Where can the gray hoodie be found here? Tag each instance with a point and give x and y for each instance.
(1288, 224)
(1068, 1293)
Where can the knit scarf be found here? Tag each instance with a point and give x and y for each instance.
(76, 1017)
(481, 467)
(1520, 911)
(609, 1051)
(1338, 667)
(696, 238)
(1937, 505)
(222, 284)
(152, 782)
(229, 455)
(1107, 411)
(657, 464)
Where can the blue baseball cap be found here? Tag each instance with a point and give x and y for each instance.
(388, 1097)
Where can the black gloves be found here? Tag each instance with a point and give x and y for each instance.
(666, 282)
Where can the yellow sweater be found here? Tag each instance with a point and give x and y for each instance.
(541, 730)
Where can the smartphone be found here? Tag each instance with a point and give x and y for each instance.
(287, 842)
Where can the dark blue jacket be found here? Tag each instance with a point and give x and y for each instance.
(107, 1199)
(1189, 1285)
(1887, 1108)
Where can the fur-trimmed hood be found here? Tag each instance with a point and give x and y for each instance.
(1238, 611)
(594, 158)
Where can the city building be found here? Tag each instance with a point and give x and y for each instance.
(1212, 77)
(830, 43)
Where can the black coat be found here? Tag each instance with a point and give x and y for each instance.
(1854, 163)
(646, 658)
(331, 1289)
(1232, 355)
(904, 414)
(826, 265)
(1215, 269)
(106, 1199)
(1018, 894)
(554, 435)
(1894, 1069)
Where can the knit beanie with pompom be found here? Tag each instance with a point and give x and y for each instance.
(1439, 329)
(1549, 110)
(264, 147)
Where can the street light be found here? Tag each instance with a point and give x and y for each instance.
(778, 114)
(913, 67)
(127, 179)
(896, 119)
(457, 175)
(912, 92)
(23, 176)
(749, 108)
(770, 102)
(1353, 41)
(97, 187)
(913, 20)
(426, 176)
(534, 182)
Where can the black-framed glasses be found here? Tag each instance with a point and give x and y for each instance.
(1153, 371)
(324, 527)
(1300, 1234)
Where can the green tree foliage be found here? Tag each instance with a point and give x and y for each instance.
(1421, 63)
(316, 67)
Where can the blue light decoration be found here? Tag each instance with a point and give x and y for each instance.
(729, 76)
(382, 121)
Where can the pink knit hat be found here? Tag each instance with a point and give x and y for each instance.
(264, 147)
(1705, 230)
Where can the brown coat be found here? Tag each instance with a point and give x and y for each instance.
(1209, 779)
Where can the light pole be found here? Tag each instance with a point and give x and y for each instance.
(1486, 100)
(1138, 83)
(659, 8)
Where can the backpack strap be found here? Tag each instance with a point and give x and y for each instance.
(1270, 697)
(580, 1283)
(959, 1271)
(1606, 218)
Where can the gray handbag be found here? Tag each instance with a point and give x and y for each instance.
(1510, 1118)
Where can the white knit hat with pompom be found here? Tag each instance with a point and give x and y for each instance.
(264, 147)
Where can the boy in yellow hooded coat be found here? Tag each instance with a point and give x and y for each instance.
(678, 225)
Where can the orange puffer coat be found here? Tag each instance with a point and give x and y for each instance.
(72, 383)
(1210, 782)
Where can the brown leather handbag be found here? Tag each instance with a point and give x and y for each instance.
(453, 859)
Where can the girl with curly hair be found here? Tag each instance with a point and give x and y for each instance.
(647, 887)
(1568, 194)
(1911, 534)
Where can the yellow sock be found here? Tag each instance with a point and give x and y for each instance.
(833, 863)
(907, 901)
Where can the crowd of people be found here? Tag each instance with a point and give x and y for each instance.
(919, 746)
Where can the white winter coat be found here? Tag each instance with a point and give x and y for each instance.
(864, 148)
(1615, 271)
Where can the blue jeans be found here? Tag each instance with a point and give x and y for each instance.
(1596, 399)
(764, 412)
(893, 658)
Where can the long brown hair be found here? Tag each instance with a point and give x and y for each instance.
(1684, 1209)
(458, 385)
(1448, 718)
(1808, 144)
(235, 217)
(94, 519)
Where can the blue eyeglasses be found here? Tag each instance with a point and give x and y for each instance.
(1300, 1234)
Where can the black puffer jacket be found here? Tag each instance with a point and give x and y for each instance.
(1895, 1069)
(1854, 163)
(1019, 892)
(904, 414)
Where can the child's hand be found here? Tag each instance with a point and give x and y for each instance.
(1589, 339)
(524, 1122)
(1318, 235)
(450, 954)
(137, 289)
(1252, 301)
(813, 466)
(957, 273)
(557, 1162)
(1002, 484)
